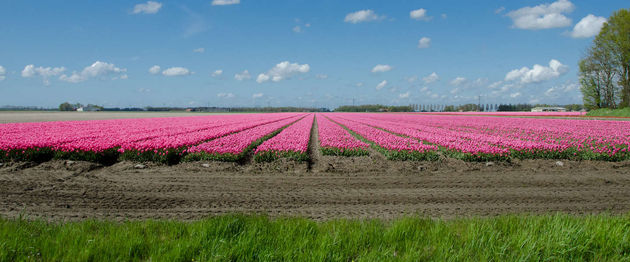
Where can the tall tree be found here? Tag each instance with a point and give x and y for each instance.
(605, 71)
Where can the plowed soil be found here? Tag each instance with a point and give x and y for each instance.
(362, 187)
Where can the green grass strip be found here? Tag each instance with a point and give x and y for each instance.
(255, 238)
(624, 112)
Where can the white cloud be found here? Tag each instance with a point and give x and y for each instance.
(97, 69)
(283, 70)
(499, 10)
(154, 70)
(321, 76)
(149, 7)
(424, 42)
(537, 73)
(404, 95)
(589, 26)
(412, 79)
(480, 81)
(31, 70)
(43, 72)
(216, 73)
(444, 16)
(419, 14)
(199, 50)
(225, 2)
(257, 95)
(542, 16)
(362, 16)
(297, 29)
(431, 78)
(561, 90)
(262, 78)
(515, 95)
(242, 76)
(495, 84)
(359, 84)
(381, 85)
(381, 68)
(3, 73)
(458, 81)
(176, 71)
(225, 95)
(454, 91)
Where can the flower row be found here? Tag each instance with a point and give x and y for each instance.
(292, 142)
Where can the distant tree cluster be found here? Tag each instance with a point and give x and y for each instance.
(278, 109)
(69, 107)
(374, 108)
(605, 71)
(515, 108)
(528, 107)
(65, 106)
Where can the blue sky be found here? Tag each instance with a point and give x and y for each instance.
(296, 53)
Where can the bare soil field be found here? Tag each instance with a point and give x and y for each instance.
(326, 188)
(40, 116)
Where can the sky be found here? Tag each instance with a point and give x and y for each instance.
(294, 52)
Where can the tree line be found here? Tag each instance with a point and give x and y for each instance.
(605, 70)
(374, 108)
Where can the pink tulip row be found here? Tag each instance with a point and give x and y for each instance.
(550, 114)
(381, 138)
(294, 138)
(235, 144)
(127, 134)
(504, 136)
(332, 135)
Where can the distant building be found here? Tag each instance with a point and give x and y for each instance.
(549, 109)
(88, 109)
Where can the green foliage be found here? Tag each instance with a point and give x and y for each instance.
(624, 112)
(409, 155)
(605, 71)
(37, 155)
(227, 157)
(555, 237)
(334, 151)
(374, 108)
(479, 157)
(269, 156)
(66, 107)
(169, 156)
(106, 157)
(515, 108)
(450, 108)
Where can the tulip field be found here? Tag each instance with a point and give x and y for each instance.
(267, 137)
